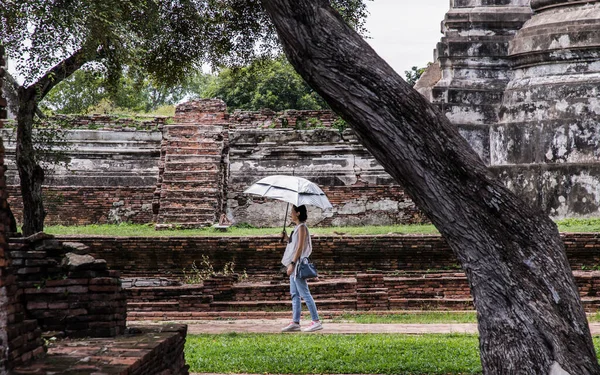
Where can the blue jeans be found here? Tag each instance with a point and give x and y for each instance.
(299, 288)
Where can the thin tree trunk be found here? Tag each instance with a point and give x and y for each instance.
(31, 175)
(530, 316)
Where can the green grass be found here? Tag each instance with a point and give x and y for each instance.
(593, 317)
(333, 354)
(147, 230)
(590, 225)
(429, 317)
(422, 317)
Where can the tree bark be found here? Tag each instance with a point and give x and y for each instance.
(31, 175)
(530, 316)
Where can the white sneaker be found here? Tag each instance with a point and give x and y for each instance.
(291, 327)
(314, 326)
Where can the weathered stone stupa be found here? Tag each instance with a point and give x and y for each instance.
(521, 80)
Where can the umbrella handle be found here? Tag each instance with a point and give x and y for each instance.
(285, 219)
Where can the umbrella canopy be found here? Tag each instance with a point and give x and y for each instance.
(295, 190)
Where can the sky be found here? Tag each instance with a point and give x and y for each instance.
(405, 32)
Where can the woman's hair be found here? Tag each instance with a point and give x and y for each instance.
(302, 215)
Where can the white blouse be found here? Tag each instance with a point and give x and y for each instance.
(290, 249)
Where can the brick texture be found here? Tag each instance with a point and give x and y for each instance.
(68, 205)
(66, 290)
(193, 167)
(143, 351)
(363, 272)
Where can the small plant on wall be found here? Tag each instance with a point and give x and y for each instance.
(340, 125)
(197, 274)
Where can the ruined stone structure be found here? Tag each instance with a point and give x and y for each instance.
(187, 171)
(520, 79)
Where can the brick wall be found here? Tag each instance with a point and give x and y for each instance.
(167, 358)
(167, 257)
(66, 290)
(80, 205)
(293, 119)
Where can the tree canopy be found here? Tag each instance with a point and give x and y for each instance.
(165, 41)
(86, 91)
(413, 75)
(266, 83)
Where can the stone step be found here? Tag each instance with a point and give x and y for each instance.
(196, 137)
(284, 295)
(195, 175)
(197, 187)
(203, 145)
(430, 304)
(175, 195)
(165, 290)
(194, 151)
(176, 159)
(191, 210)
(166, 217)
(591, 304)
(371, 290)
(193, 166)
(182, 128)
(332, 304)
(153, 306)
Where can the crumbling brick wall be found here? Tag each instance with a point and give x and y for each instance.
(189, 170)
(66, 290)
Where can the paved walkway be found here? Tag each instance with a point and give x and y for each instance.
(275, 325)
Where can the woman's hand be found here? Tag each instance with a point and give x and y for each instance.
(290, 269)
(284, 236)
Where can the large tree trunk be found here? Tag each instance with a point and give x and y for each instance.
(30, 173)
(529, 312)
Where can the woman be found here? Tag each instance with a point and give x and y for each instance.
(299, 246)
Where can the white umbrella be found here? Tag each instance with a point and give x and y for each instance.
(295, 190)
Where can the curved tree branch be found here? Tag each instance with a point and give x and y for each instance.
(57, 74)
